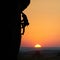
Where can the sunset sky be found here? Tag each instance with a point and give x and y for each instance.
(44, 27)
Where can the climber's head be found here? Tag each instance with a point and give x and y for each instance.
(23, 15)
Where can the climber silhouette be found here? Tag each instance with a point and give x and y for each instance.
(23, 4)
(24, 22)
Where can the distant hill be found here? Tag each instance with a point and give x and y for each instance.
(39, 54)
(25, 49)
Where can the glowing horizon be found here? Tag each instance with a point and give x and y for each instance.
(44, 27)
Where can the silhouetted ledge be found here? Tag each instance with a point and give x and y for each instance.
(24, 4)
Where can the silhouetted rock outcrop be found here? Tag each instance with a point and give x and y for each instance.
(10, 27)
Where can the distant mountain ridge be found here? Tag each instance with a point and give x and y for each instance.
(25, 49)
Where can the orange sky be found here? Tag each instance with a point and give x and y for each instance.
(44, 28)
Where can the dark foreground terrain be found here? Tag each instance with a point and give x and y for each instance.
(40, 55)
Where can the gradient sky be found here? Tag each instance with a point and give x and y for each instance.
(44, 28)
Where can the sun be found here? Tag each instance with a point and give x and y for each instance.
(37, 46)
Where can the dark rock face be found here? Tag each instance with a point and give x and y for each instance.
(10, 27)
(13, 35)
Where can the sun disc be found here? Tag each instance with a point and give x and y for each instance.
(37, 46)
